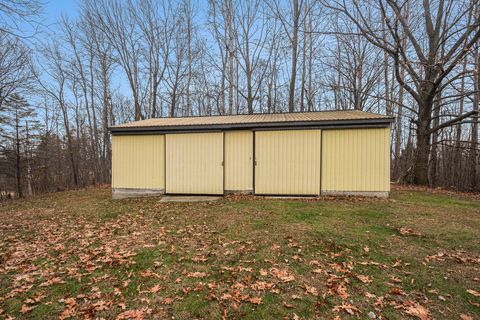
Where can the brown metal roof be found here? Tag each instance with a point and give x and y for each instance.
(253, 120)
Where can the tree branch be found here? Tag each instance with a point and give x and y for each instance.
(453, 121)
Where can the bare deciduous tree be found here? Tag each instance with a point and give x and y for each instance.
(428, 71)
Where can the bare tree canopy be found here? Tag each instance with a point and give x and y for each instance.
(18, 15)
(428, 45)
(123, 60)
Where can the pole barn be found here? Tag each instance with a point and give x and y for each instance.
(301, 154)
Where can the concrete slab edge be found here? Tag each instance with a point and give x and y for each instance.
(123, 193)
(376, 194)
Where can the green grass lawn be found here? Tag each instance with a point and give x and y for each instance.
(79, 254)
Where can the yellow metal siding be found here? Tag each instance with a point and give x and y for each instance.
(238, 160)
(356, 160)
(194, 163)
(288, 162)
(138, 162)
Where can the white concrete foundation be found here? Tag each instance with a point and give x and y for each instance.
(377, 194)
(190, 198)
(122, 193)
(239, 192)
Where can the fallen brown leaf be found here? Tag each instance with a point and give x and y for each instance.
(168, 300)
(347, 307)
(101, 305)
(67, 313)
(26, 309)
(199, 259)
(474, 304)
(364, 279)
(342, 291)
(473, 292)
(196, 275)
(311, 290)
(397, 291)
(138, 314)
(283, 275)
(408, 232)
(417, 310)
(156, 288)
(52, 281)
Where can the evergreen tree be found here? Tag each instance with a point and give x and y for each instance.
(18, 123)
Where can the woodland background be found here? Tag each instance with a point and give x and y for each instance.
(61, 87)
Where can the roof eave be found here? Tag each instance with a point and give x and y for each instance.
(259, 125)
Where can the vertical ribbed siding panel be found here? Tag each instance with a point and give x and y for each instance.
(288, 162)
(356, 160)
(138, 161)
(239, 160)
(194, 163)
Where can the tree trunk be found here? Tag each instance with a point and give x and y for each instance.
(291, 95)
(269, 97)
(388, 102)
(138, 112)
(18, 168)
(237, 92)
(304, 55)
(173, 103)
(420, 165)
(189, 61)
(434, 147)
(154, 95)
(231, 57)
(28, 157)
(106, 137)
(456, 169)
(96, 143)
(399, 119)
(248, 73)
(473, 155)
(69, 144)
(310, 64)
(398, 133)
(222, 85)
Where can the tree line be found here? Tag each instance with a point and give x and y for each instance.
(116, 61)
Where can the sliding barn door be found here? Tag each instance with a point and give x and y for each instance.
(287, 162)
(194, 163)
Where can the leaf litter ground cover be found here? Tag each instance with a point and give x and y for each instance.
(81, 255)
